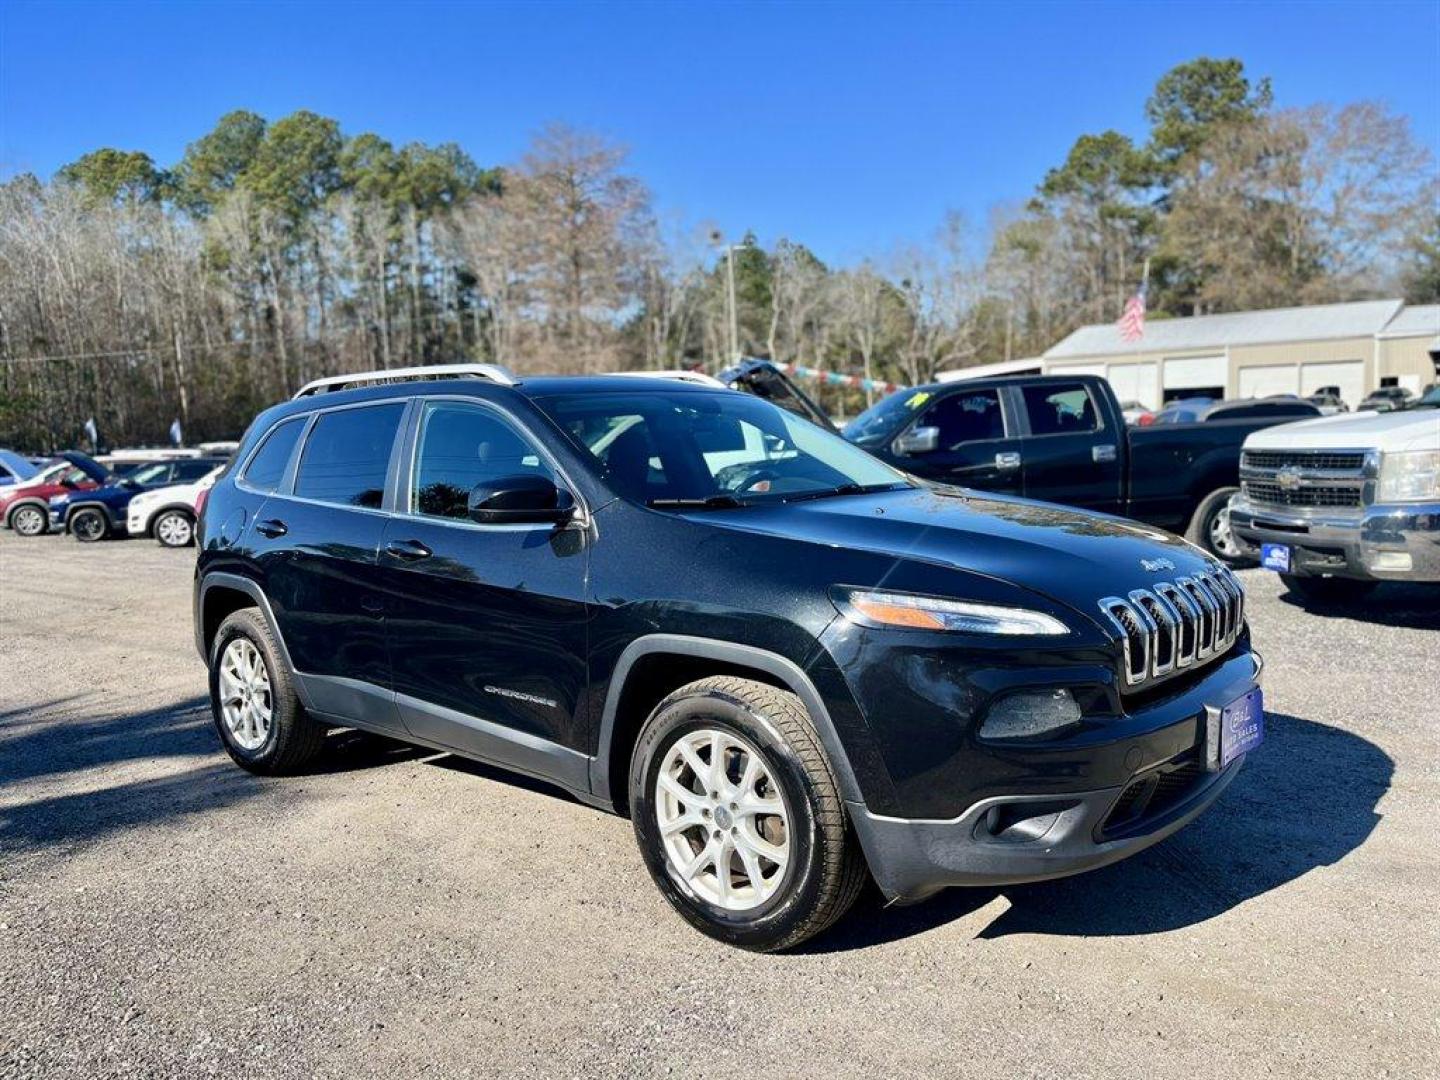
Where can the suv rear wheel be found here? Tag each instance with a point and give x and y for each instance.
(89, 525)
(739, 817)
(252, 698)
(174, 529)
(29, 520)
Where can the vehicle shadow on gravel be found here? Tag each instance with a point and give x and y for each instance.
(1413, 607)
(1304, 800)
(37, 745)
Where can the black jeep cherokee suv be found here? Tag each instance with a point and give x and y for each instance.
(786, 661)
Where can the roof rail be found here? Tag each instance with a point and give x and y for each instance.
(494, 372)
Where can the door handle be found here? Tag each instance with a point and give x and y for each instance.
(1007, 461)
(271, 527)
(1104, 452)
(409, 550)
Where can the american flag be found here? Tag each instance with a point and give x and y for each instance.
(1132, 322)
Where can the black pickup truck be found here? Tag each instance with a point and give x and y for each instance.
(1062, 438)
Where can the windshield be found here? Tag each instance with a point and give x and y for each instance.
(880, 421)
(148, 474)
(720, 448)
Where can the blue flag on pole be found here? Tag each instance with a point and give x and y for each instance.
(175, 432)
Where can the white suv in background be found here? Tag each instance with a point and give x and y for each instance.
(1338, 504)
(169, 513)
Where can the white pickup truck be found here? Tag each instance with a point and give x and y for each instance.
(1338, 504)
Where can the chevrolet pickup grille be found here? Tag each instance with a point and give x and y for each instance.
(1305, 479)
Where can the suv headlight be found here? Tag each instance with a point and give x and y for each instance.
(907, 612)
(1409, 476)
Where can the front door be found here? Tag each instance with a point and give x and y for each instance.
(487, 623)
(975, 447)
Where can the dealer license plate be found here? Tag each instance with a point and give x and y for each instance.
(1275, 557)
(1242, 726)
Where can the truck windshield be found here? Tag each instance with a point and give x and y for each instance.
(880, 421)
(703, 449)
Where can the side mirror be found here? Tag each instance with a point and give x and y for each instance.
(523, 499)
(918, 440)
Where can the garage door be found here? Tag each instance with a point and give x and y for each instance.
(1266, 380)
(1196, 373)
(1136, 382)
(1349, 375)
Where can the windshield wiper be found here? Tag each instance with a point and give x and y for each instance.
(710, 502)
(843, 489)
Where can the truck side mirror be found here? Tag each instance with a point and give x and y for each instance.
(918, 440)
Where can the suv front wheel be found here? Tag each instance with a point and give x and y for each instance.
(29, 520)
(252, 699)
(739, 817)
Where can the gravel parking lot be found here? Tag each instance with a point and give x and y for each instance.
(398, 912)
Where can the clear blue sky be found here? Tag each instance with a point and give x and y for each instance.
(851, 128)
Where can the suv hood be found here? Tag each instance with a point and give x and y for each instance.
(88, 465)
(1417, 429)
(1069, 555)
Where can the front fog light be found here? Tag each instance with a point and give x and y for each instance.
(1031, 713)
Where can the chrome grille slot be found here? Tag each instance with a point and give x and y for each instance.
(1306, 479)
(1176, 624)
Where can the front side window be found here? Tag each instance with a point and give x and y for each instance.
(1060, 409)
(659, 446)
(882, 421)
(347, 454)
(267, 467)
(461, 446)
(966, 417)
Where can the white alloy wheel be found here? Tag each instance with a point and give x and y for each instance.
(723, 820)
(174, 530)
(246, 703)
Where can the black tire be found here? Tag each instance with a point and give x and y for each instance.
(1209, 528)
(28, 519)
(825, 869)
(294, 737)
(168, 531)
(89, 525)
(1328, 590)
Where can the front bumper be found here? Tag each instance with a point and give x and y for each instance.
(1022, 837)
(1384, 542)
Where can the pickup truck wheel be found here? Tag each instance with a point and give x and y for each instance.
(739, 817)
(1210, 528)
(29, 521)
(1328, 590)
(89, 525)
(264, 727)
(174, 529)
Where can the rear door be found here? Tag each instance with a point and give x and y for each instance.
(316, 539)
(487, 623)
(979, 443)
(1070, 455)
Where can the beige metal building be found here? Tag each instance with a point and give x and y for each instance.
(1356, 346)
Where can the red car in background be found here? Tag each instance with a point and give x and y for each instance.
(25, 507)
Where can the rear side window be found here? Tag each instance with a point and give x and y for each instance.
(462, 446)
(966, 417)
(347, 454)
(267, 467)
(1060, 409)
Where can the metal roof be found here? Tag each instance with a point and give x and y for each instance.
(1365, 318)
(1421, 320)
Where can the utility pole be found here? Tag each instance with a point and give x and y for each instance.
(717, 238)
